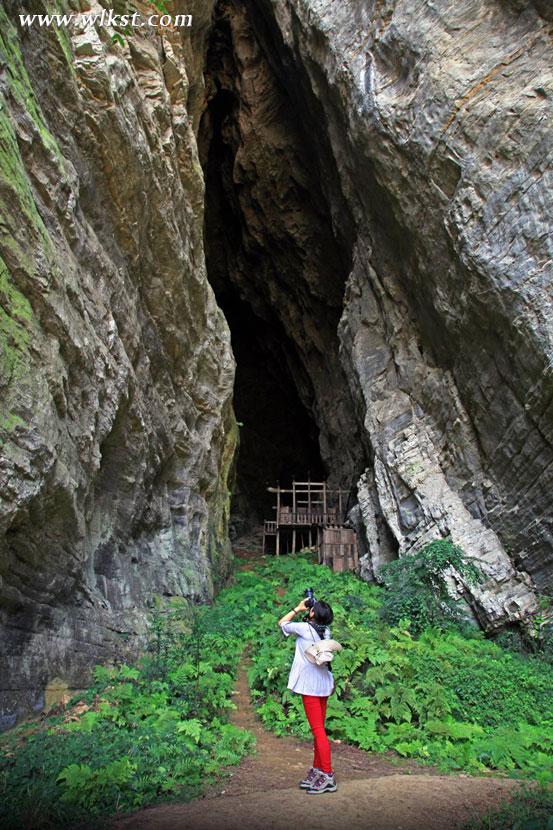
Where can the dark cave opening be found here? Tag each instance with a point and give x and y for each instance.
(279, 439)
(277, 258)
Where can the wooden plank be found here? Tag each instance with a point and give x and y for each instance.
(311, 484)
(322, 486)
(277, 551)
(338, 548)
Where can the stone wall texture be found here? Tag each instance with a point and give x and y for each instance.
(380, 197)
(439, 116)
(116, 430)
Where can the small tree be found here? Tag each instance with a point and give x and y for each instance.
(417, 586)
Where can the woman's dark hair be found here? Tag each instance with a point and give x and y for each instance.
(323, 616)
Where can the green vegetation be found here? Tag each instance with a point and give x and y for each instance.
(19, 82)
(12, 173)
(141, 734)
(62, 34)
(448, 698)
(15, 335)
(531, 809)
(538, 638)
(417, 585)
(14, 331)
(18, 104)
(159, 730)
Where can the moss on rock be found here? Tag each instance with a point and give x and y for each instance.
(15, 317)
(19, 84)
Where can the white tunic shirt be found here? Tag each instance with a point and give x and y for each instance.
(305, 677)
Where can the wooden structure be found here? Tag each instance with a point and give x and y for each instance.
(338, 549)
(310, 513)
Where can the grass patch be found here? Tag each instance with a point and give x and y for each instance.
(531, 809)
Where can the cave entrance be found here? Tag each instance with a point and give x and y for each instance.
(278, 238)
(279, 439)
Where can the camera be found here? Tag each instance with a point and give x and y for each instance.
(310, 598)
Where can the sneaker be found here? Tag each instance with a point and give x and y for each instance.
(324, 783)
(310, 778)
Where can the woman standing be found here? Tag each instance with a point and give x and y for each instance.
(314, 684)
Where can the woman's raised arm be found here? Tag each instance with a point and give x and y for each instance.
(291, 614)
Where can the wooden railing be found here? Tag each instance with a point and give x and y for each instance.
(307, 519)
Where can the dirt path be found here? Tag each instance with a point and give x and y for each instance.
(373, 792)
(262, 793)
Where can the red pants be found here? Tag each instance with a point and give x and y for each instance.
(315, 709)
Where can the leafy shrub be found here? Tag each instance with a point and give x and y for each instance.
(490, 686)
(417, 585)
(140, 734)
(530, 809)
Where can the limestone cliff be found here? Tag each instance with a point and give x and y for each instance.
(117, 430)
(391, 160)
(440, 119)
(377, 229)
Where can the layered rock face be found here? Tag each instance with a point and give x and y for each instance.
(442, 138)
(377, 212)
(117, 432)
(412, 139)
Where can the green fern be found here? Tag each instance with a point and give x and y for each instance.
(440, 696)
